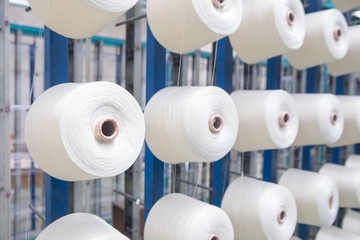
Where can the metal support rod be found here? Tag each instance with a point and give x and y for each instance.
(98, 196)
(235, 173)
(155, 80)
(118, 62)
(17, 133)
(76, 189)
(136, 200)
(130, 20)
(224, 73)
(194, 184)
(100, 60)
(134, 86)
(273, 82)
(56, 72)
(78, 60)
(357, 146)
(341, 89)
(32, 166)
(196, 68)
(5, 187)
(37, 212)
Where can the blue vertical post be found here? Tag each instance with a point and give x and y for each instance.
(118, 59)
(337, 153)
(32, 166)
(155, 80)
(312, 86)
(357, 146)
(56, 72)
(223, 78)
(273, 77)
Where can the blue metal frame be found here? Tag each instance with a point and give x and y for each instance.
(337, 153)
(155, 80)
(56, 72)
(32, 166)
(273, 76)
(357, 146)
(223, 78)
(118, 62)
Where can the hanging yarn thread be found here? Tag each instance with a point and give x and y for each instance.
(351, 109)
(326, 40)
(350, 63)
(190, 124)
(267, 119)
(260, 210)
(184, 26)
(79, 18)
(351, 222)
(279, 27)
(81, 131)
(316, 196)
(179, 217)
(334, 233)
(348, 182)
(80, 226)
(353, 161)
(321, 119)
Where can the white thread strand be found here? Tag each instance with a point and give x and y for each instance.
(81, 131)
(265, 31)
(79, 18)
(259, 210)
(351, 133)
(80, 226)
(179, 217)
(351, 222)
(334, 233)
(350, 63)
(326, 40)
(204, 22)
(190, 124)
(348, 182)
(316, 196)
(353, 161)
(321, 119)
(259, 113)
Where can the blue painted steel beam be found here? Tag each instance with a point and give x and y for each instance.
(56, 72)
(118, 62)
(307, 160)
(357, 146)
(32, 166)
(337, 153)
(155, 80)
(314, 5)
(273, 82)
(223, 78)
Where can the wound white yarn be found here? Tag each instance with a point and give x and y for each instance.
(61, 130)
